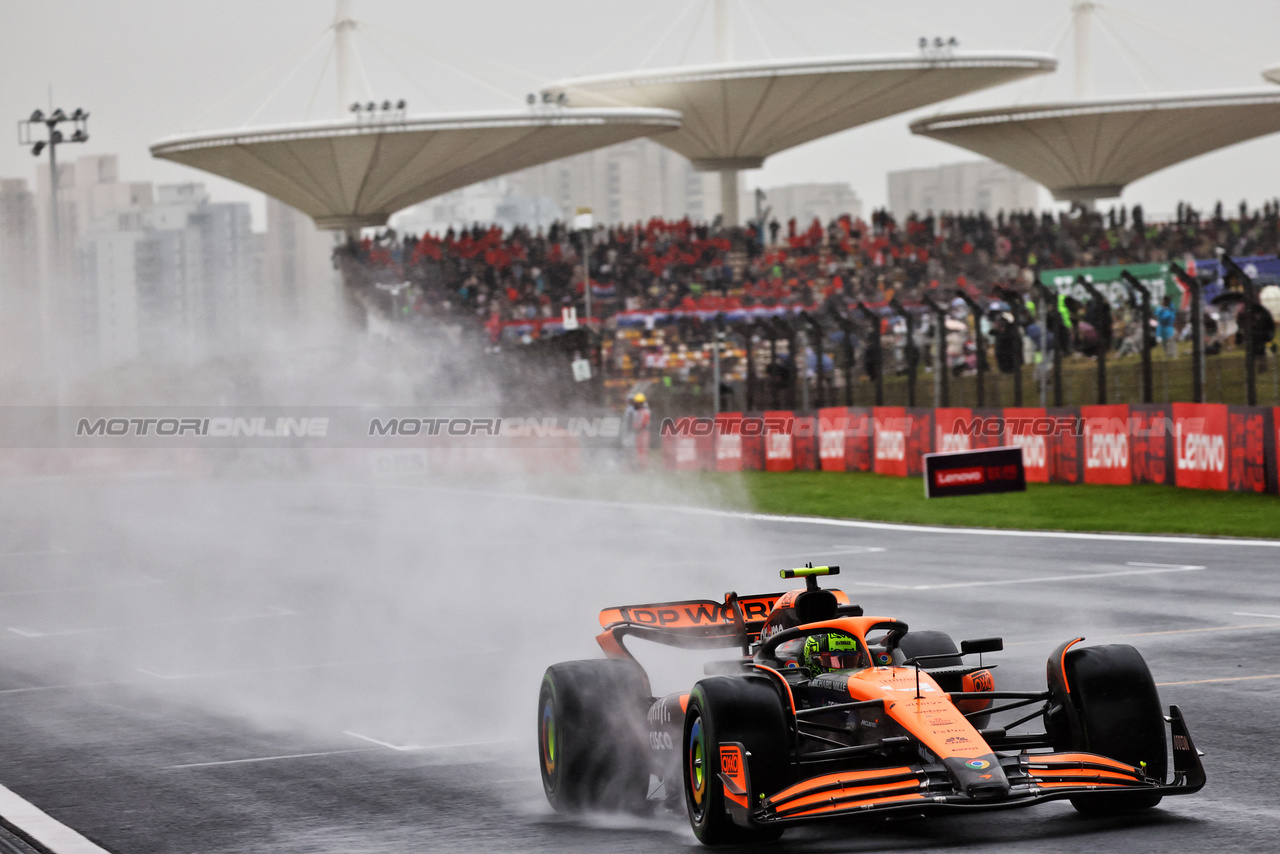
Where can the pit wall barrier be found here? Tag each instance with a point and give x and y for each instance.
(1192, 445)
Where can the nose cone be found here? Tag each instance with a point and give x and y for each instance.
(979, 777)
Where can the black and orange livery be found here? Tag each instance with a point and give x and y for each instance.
(764, 742)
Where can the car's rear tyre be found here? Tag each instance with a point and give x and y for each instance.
(939, 643)
(930, 643)
(732, 709)
(593, 750)
(1118, 706)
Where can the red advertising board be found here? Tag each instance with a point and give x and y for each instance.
(1273, 448)
(1200, 445)
(833, 431)
(1247, 449)
(779, 451)
(804, 441)
(1106, 444)
(919, 439)
(729, 441)
(859, 439)
(952, 430)
(1030, 429)
(1151, 442)
(990, 429)
(1065, 463)
(688, 447)
(890, 440)
(753, 441)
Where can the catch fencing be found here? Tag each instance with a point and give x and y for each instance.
(1194, 445)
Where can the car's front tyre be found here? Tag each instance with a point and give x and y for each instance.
(1119, 716)
(732, 709)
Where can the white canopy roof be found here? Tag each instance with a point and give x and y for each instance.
(737, 114)
(1091, 149)
(351, 174)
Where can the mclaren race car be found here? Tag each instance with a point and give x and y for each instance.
(828, 713)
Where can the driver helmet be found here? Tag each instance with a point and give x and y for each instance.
(638, 399)
(833, 651)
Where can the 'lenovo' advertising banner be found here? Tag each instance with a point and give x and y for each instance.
(974, 472)
(1106, 444)
(1200, 445)
(1247, 431)
(1030, 428)
(804, 441)
(890, 440)
(778, 443)
(729, 441)
(1151, 442)
(833, 431)
(953, 430)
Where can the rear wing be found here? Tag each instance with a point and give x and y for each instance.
(693, 623)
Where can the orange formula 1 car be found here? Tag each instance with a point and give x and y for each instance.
(830, 714)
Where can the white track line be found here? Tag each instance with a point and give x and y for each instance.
(835, 551)
(381, 745)
(274, 612)
(52, 550)
(215, 674)
(1053, 578)
(844, 523)
(385, 744)
(1223, 679)
(273, 758)
(44, 828)
(1251, 614)
(147, 581)
(34, 688)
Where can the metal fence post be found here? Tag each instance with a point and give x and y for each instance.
(878, 379)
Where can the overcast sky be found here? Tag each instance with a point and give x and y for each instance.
(147, 69)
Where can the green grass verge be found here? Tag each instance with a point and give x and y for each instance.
(1053, 506)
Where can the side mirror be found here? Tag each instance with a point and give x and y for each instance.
(980, 645)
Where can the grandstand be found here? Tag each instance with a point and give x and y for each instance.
(660, 288)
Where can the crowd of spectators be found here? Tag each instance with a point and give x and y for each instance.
(514, 284)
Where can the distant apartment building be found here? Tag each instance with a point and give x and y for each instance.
(980, 186)
(166, 275)
(20, 320)
(89, 189)
(629, 182)
(296, 274)
(805, 202)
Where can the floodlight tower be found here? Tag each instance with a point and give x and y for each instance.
(1080, 13)
(343, 26)
(728, 174)
(54, 138)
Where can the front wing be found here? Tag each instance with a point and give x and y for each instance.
(1033, 778)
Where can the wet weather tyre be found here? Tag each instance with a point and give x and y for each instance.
(930, 643)
(732, 709)
(939, 643)
(1120, 717)
(593, 750)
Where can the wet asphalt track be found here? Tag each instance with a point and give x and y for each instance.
(267, 666)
